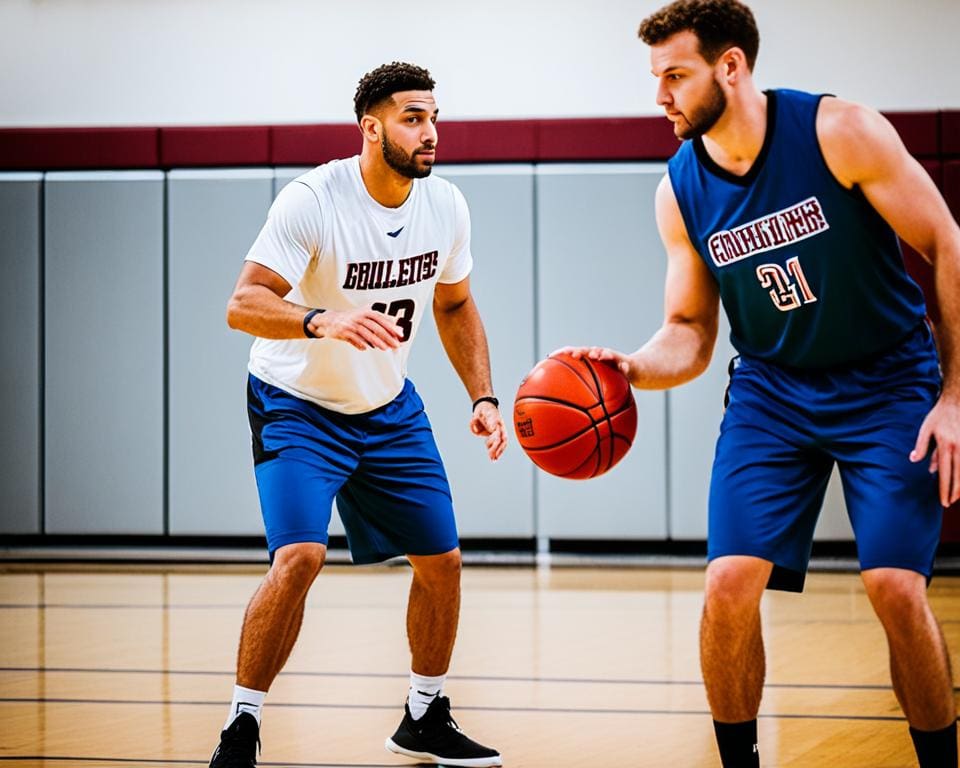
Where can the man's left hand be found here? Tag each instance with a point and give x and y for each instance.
(941, 428)
(486, 421)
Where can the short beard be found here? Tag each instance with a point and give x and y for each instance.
(704, 117)
(401, 162)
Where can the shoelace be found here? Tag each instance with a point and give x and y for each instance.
(448, 718)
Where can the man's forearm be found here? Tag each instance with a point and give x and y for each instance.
(260, 312)
(465, 342)
(674, 355)
(947, 282)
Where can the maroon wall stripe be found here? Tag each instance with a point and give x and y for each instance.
(214, 146)
(488, 141)
(926, 134)
(951, 186)
(78, 148)
(627, 138)
(950, 132)
(312, 144)
(920, 131)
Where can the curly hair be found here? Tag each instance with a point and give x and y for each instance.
(379, 85)
(718, 25)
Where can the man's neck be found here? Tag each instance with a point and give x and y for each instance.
(384, 184)
(734, 143)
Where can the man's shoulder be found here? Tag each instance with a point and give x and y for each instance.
(321, 189)
(850, 126)
(441, 191)
(437, 184)
(329, 176)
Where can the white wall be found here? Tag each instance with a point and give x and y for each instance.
(117, 62)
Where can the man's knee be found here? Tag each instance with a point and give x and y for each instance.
(299, 563)
(437, 570)
(896, 593)
(735, 583)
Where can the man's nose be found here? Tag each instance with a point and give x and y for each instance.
(429, 135)
(663, 94)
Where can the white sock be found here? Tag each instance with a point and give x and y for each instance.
(245, 700)
(423, 690)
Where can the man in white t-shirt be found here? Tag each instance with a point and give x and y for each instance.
(334, 289)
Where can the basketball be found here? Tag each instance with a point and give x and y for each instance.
(575, 417)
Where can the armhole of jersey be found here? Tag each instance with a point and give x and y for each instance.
(853, 191)
(683, 215)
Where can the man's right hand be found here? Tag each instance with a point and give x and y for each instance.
(621, 360)
(362, 327)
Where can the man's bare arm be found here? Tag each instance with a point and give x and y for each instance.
(861, 148)
(259, 308)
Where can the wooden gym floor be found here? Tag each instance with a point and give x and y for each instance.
(104, 667)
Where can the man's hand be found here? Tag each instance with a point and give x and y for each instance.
(942, 429)
(486, 421)
(362, 327)
(622, 361)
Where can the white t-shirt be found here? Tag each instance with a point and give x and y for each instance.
(339, 249)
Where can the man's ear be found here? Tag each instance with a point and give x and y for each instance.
(371, 128)
(732, 65)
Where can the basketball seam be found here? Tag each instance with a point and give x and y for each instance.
(544, 399)
(599, 390)
(574, 471)
(593, 422)
(576, 372)
(606, 414)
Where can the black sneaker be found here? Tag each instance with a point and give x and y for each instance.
(238, 744)
(437, 738)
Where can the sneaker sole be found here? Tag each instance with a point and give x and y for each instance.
(470, 762)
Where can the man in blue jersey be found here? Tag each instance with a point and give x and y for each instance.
(352, 256)
(786, 207)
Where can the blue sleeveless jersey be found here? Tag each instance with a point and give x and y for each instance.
(810, 275)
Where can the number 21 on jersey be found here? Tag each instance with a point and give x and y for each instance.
(788, 288)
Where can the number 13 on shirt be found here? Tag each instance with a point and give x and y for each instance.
(403, 310)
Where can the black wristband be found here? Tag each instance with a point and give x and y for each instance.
(306, 323)
(486, 399)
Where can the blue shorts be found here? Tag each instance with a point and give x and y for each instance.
(383, 468)
(780, 436)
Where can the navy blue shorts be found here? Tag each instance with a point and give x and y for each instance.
(383, 468)
(780, 436)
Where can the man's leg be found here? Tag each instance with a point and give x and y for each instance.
(270, 628)
(428, 732)
(275, 613)
(433, 611)
(731, 653)
(919, 662)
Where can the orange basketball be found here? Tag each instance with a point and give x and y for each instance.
(575, 417)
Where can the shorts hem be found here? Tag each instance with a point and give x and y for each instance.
(371, 558)
(711, 556)
(925, 572)
(300, 537)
